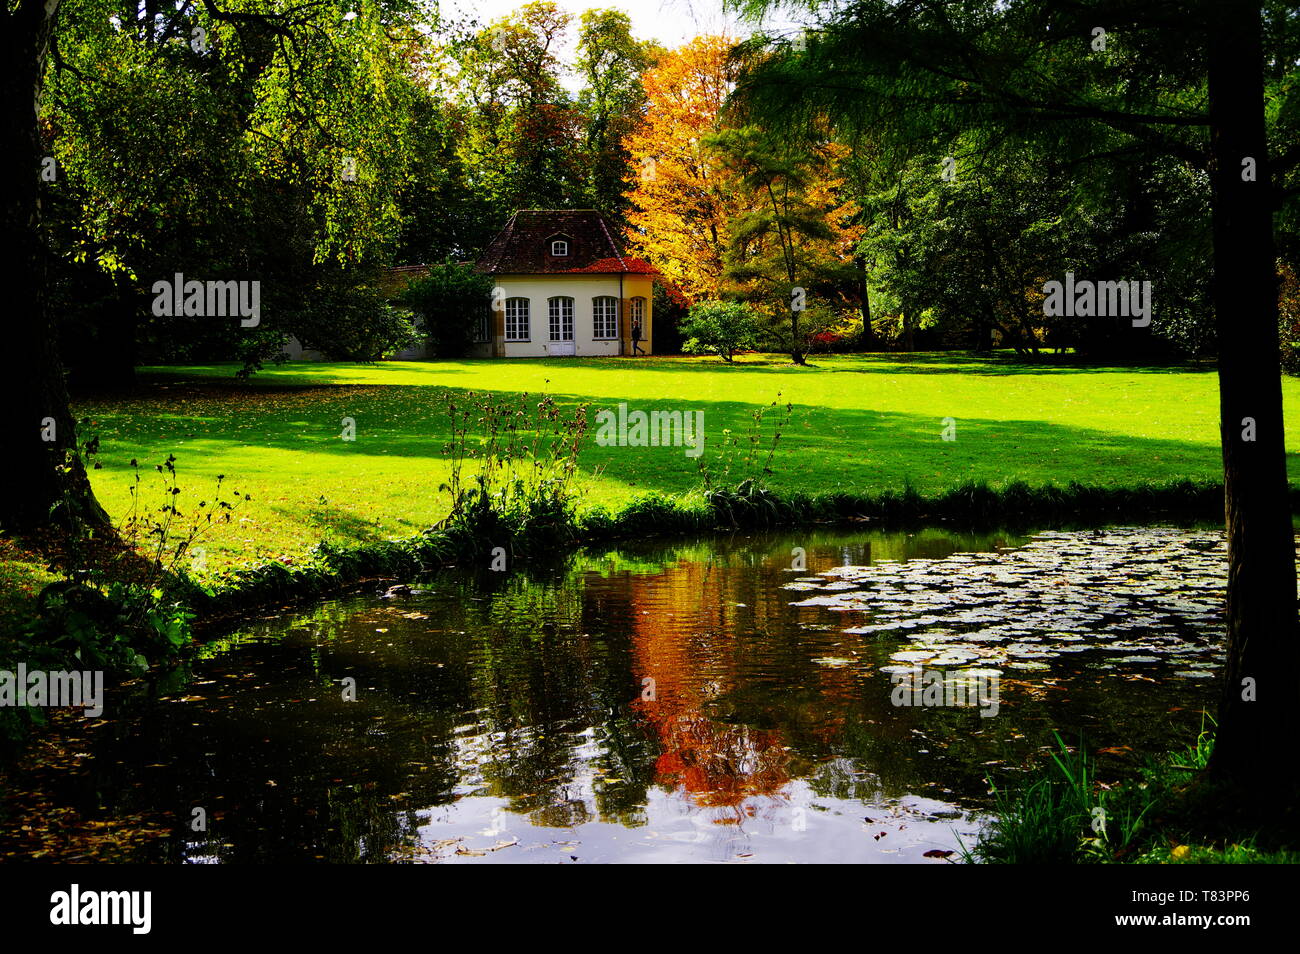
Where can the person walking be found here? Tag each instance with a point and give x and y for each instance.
(636, 337)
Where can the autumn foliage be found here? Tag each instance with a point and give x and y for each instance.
(683, 198)
(726, 209)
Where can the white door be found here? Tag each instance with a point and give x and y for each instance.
(561, 321)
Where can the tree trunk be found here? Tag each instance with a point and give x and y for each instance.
(984, 330)
(868, 342)
(1253, 737)
(796, 353)
(38, 488)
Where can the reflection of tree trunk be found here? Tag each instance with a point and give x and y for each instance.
(1254, 737)
(34, 389)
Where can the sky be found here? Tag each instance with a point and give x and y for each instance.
(671, 22)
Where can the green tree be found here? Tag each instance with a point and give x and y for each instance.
(232, 161)
(225, 118)
(1211, 82)
(521, 133)
(610, 63)
(790, 241)
(44, 474)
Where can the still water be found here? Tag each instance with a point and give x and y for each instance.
(728, 700)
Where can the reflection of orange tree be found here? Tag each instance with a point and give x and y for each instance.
(719, 764)
(716, 763)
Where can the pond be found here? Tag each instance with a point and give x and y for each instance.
(731, 700)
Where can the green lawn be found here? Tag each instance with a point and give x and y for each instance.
(861, 423)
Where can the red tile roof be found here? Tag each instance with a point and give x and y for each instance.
(635, 266)
(523, 247)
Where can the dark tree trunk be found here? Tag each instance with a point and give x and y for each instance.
(1254, 737)
(33, 387)
(864, 294)
(796, 353)
(984, 331)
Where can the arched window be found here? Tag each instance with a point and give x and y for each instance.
(517, 328)
(604, 314)
(559, 248)
(561, 316)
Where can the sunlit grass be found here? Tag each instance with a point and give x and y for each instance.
(861, 424)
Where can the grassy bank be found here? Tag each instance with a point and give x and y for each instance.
(1169, 810)
(330, 567)
(862, 426)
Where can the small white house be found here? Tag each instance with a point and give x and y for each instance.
(564, 287)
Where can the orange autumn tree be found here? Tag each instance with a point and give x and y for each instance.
(724, 209)
(683, 197)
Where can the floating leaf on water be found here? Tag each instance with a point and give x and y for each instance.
(911, 655)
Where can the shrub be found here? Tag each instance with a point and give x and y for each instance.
(721, 328)
(512, 467)
(352, 323)
(450, 301)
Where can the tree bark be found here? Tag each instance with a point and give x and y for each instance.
(796, 353)
(864, 293)
(1253, 737)
(39, 489)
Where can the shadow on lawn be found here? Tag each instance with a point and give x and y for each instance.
(848, 449)
(295, 376)
(968, 363)
(935, 362)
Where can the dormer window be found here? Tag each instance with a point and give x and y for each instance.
(559, 248)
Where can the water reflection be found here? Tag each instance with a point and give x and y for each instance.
(657, 703)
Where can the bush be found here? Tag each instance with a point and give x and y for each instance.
(450, 301)
(832, 332)
(721, 328)
(512, 467)
(351, 323)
